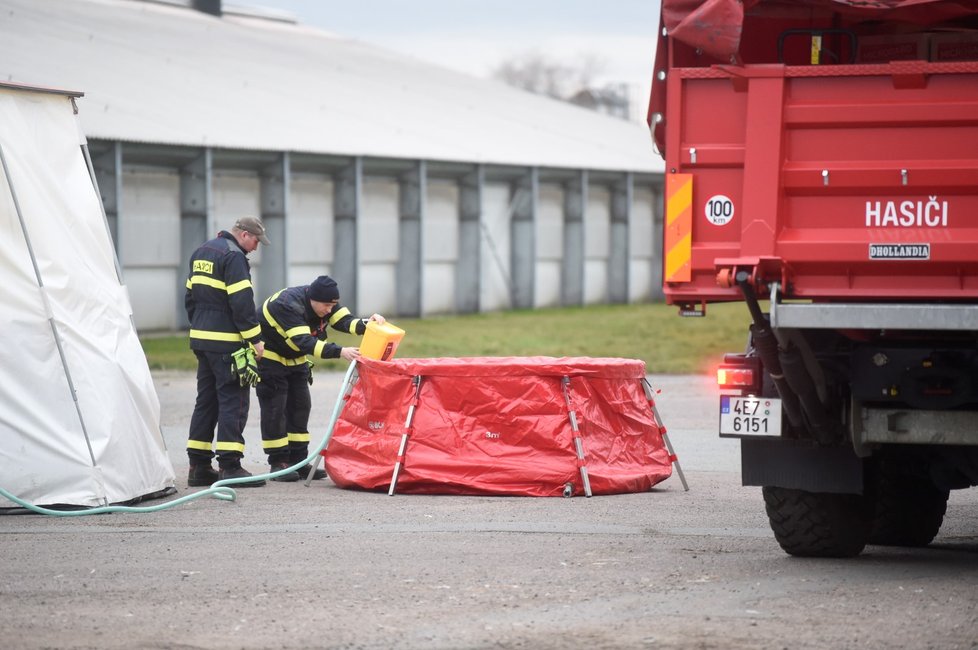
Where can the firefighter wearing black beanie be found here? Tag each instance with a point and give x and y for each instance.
(324, 289)
(294, 325)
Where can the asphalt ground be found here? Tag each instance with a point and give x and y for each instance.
(286, 566)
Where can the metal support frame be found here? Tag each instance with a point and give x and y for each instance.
(413, 200)
(673, 458)
(408, 423)
(578, 443)
(106, 173)
(114, 177)
(113, 197)
(620, 255)
(516, 197)
(196, 188)
(572, 271)
(523, 228)
(275, 181)
(658, 226)
(468, 284)
(347, 200)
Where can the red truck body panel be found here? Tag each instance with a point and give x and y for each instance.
(824, 154)
(845, 182)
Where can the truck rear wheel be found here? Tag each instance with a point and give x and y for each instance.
(814, 524)
(908, 509)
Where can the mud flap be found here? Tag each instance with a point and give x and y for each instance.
(800, 466)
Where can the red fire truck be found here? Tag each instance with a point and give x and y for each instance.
(822, 168)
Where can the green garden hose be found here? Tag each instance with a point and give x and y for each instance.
(218, 490)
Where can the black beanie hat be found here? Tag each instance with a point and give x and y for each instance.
(324, 289)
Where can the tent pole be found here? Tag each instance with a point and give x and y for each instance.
(115, 255)
(408, 423)
(48, 311)
(105, 217)
(578, 444)
(345, 390)
(665, 437)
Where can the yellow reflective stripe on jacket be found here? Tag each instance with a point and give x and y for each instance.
(278, 443)
(298, 437)
(274, 323)
(218, 284)
(210, 282)
(252, 333)
(239, 286)
(318, 350)
(215, 336)
(301, 329)
(230, 446)
(197, 444)
(341, 313)
(278, 358)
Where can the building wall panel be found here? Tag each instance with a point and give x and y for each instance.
(495, 247)
(150, 226)
(378, 230)
(550, 246)
(441, 222)
(439, 292)
(309, 227)
(597, 245)
(595, 282)
(235, 195)
(440, 245)
(149, 246)
(377, 246)
(377, 289)
(640, 281)
(153, 293)
(150, 234)
(548, 278)
(641, 234)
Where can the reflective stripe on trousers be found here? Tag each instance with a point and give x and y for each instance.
(285, 404)
(221, 403)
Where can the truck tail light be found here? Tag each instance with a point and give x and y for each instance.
(740, 373)
(735, 377)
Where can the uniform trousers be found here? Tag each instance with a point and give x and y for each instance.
(285, 405)
(221, 402)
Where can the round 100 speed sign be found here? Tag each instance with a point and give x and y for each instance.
(719, 210)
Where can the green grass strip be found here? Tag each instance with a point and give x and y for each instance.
(654, 333)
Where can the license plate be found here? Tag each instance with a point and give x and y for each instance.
(750, 416)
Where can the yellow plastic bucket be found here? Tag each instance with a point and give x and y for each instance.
(380, 341)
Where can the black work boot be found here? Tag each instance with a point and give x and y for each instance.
(318, 475)
(236, 471)
(201, 475)
(288, 477)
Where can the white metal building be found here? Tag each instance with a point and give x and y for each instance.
(421, 190)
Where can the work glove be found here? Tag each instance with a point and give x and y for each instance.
(245, 367)
(309, 366)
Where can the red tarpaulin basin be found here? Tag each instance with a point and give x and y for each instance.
(499, 426)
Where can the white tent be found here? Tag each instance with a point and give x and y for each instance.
(79, 416)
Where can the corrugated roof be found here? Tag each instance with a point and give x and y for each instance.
(168, 74)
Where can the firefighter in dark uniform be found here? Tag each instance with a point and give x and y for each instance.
(293, 324)
(220, 302)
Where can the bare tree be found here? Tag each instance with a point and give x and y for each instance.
(540, 74)
(572, 82)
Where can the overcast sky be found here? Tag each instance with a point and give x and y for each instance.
(474, 36)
